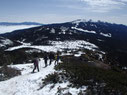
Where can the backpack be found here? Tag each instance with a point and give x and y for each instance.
(35, 61)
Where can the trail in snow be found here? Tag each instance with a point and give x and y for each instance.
(27, 83)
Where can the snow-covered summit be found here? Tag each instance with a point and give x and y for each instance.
(78, 21)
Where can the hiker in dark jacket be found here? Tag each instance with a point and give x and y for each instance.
(45, 59)
(36, 64)
(51, 57)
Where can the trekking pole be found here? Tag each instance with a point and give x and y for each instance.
(39, 63)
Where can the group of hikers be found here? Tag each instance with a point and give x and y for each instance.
(51, 56)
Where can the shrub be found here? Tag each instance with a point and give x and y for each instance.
(51, 78)
(98, 80)
(7, 73)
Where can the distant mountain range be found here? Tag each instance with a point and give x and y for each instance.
(22, 23)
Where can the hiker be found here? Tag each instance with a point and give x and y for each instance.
(51, 57)
(57, 57)
(45, 59)
(36, 64)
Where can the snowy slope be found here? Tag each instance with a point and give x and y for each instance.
(80, 29)
(59, 46)
(28, 84)
(4, 42)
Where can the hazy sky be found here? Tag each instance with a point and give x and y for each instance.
(52, 11)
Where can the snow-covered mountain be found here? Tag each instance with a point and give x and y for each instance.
(105, 35)
(108, 37)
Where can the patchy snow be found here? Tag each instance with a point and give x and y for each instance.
(63, 29)
(100, 57)
(80, 29)
(5, 29)
(70, 33)
(23, 43)
(124, 68)
(79, 54)
(100, 40)
(33, 50)
(40, 29)
(66, 53)
(42, 37)
(30, 83)
(106, 35)
(62, 32)
(60, 46)
(93, 25)
(5, 42)
(63, 87)
(52, 30)
(57, 38)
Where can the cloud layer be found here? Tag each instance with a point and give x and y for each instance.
(104, 5)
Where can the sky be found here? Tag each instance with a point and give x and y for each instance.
(57, 11)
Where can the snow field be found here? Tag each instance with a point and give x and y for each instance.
(59, 46)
